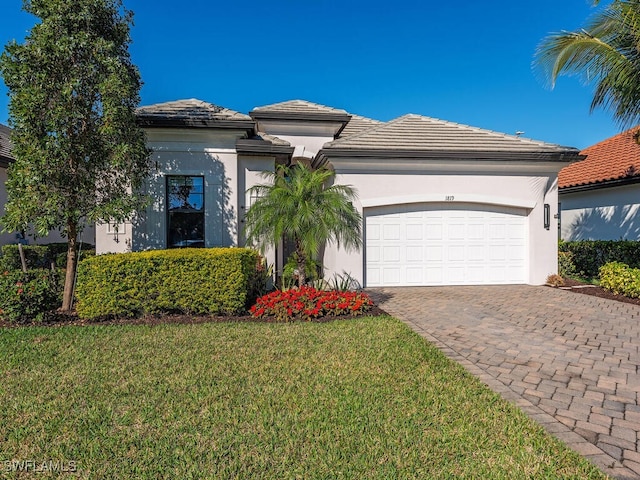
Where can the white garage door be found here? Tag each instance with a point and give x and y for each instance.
(445, 244)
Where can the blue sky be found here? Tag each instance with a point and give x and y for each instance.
(467, 61)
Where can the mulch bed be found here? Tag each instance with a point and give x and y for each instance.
(596, 291)
(59, 319)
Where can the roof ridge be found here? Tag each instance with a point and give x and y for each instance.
(484, 130)
(299, 101)
(612, 138)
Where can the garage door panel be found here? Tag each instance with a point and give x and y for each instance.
(435, 253)
(391, 232)
(457, 231)
(415, 231)
(476, 253)
(373, 232)
(456, 253)
(445, 245)
(391, 254)
(415, 254)
(476, 274)
(415, 275)
(373, 254)
(391, 276)
(434, 231)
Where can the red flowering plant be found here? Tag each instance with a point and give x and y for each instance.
(308, 303)
(28, 297)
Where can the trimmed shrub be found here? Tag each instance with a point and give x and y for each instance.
(620, 279)
(39, 256)
(589, 255)
(307, 303)
(27, 297)
(566, 267)
(190, 281)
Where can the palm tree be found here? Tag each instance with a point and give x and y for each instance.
(606, 52)
(298, 204)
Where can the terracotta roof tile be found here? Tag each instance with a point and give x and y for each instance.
(615, 158)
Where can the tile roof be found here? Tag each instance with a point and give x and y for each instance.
(358, 124)
(415, 133)
(5, 145)
(191, 112)
(273, 139)
(615, 158)
(298, 107)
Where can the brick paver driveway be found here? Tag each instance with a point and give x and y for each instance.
(570, 361)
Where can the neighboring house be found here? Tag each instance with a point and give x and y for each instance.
(6, 238)
(600, 196)
(5, 160)
(443, 203)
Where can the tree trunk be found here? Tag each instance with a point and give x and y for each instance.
(23, 260)
(72, 264)
(301, 259)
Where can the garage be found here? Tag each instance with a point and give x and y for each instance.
(445, 244)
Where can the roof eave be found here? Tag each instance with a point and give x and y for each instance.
(261, 147)
(566, 156)
(309, 116)
(619, 182)
(163, 122)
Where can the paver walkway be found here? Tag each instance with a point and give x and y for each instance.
(570, 361)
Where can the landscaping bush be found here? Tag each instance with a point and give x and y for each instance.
(566, 267)
(26, 297)
(307, 303)
(39, 256)
(589, 255)
(620, 279)
(190, 281)
(290, 271)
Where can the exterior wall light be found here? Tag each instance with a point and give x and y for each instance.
(547, 216)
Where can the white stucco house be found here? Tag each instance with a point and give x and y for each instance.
(442, 203)
(600, 195)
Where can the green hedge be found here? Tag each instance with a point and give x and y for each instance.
(30, 296)
(621, 279)
(39, 256)
(191, 281)
(589, 255)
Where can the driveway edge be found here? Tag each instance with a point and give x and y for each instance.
(574, 441)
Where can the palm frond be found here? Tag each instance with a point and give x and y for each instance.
(606, 53)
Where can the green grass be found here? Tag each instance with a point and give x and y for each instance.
(354, 399)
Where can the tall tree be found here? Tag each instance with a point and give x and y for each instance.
(80, 156)
(606, 52)
(298, 204)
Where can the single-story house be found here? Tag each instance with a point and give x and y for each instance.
(6, 159)
(442, 203)
(600, 196)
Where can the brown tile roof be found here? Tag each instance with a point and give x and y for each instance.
(5, 145)
(615, 158)
(415, 133)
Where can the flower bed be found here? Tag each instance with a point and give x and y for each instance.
(308, 303)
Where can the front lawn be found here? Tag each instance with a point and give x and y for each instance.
(364, 398)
